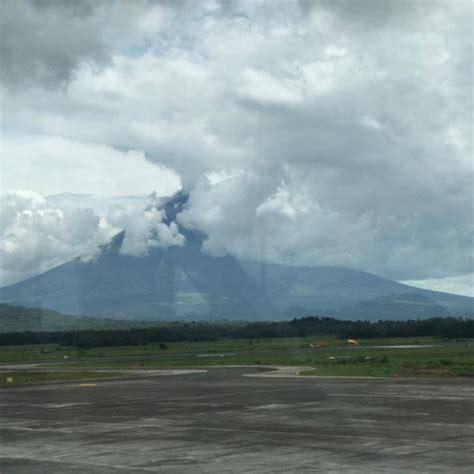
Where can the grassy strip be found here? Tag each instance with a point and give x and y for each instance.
(55, 352)
(436, 362)
(449, 360)
(387, 371)
(334, 358)
(28, 377)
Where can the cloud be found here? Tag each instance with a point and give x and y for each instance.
(460, 284)
(43, 42)
(37, 235)
(46, 42)
(331, 132)
(145, 229)
(80, 167)
(261, 87)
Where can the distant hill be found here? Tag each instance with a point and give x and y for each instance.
(185, 283)
(348, 293)
(20, 319)
(411, 305)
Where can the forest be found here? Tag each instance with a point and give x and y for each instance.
(209, 331)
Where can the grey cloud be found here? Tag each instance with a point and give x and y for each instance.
(369, 13)
(43, 42)
(340, 136)
(81, 8)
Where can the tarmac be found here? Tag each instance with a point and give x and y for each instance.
(222, 420)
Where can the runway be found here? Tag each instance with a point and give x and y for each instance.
(222, 420)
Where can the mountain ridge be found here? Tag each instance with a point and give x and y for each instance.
(186, 283)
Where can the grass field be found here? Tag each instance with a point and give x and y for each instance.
(334, 357)
(55, 352)
(448, 360)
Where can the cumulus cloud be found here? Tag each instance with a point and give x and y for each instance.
(37, 235)
(145, 229)
(53, 165)
(330, 132)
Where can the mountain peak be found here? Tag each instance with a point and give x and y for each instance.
(174, 205)
(115, 243)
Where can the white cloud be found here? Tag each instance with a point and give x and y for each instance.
(263, 88)
(145, 229)
(37, 235)
(460, 284)
(54, 165)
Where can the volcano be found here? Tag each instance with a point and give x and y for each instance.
(186, 283)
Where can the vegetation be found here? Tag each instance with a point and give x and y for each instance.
(446, 360)
(436, 347)
(329, 356)
(55, 352)
(449, 359)
(190, 331)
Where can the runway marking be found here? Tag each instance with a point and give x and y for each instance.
(364, 420)
(75, 462)
(87, 385)
(411, 442)
(166, 400)
(40, 430)
(255, 392)
(383, 395)
(157, 422)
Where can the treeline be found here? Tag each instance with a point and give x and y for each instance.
(309, 326)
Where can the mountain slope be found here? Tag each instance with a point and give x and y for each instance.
(164, 285)
(185, 283)
(329, 290)
(411, 305)
(19, 319)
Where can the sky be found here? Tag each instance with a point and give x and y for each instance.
(325, 132)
